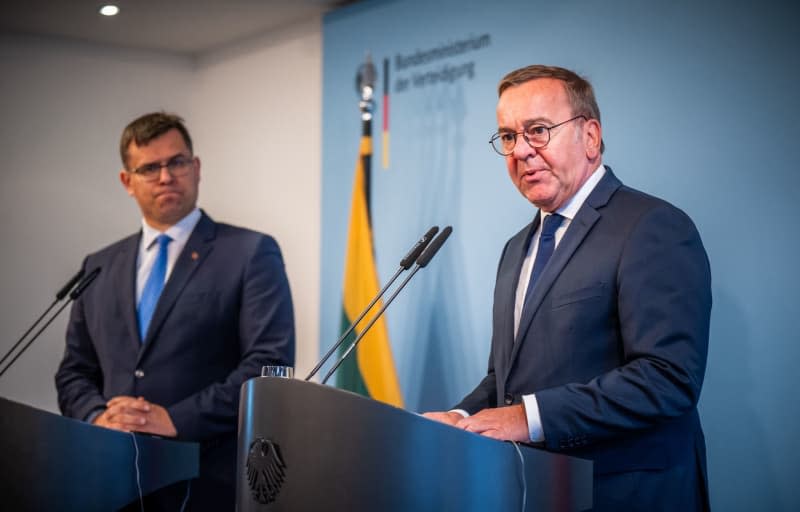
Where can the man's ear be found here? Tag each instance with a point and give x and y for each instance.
(125, 179)
(593, 136)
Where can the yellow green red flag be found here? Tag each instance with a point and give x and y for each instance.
(371, 372)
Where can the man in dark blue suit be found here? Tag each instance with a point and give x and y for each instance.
(601, 310)
(223, 310)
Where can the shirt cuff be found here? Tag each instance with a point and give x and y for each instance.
(93, 415)
(461, 412)
(535, 430)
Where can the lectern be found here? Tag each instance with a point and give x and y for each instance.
(49, 462)
(304, 446)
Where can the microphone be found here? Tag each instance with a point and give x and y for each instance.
(70, 285)
(422, 262)
(60, 294)
(405, 264)
(74, 294)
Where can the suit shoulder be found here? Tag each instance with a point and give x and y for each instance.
(636, 209)
(245, 237)
(634, 200)
(113, 248)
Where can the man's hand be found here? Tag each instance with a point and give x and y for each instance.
(503, 423)
(448, 418)
(130, 414)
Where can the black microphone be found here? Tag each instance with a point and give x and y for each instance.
(70, 285)
(82, 285)
(60, 294)
(422, 261)
(405, 264)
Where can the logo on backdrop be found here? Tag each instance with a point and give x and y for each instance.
(266, 470)
(446, 63)
(440, 65)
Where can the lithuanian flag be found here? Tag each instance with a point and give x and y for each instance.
(372, 372)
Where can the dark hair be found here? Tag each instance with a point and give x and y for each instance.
(148, 127)
(579, 91)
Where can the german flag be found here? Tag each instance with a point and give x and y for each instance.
(372, 372)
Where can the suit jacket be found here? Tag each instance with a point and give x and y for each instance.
(614, 339)
(225, 311)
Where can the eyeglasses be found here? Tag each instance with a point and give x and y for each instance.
(178, 166)
(536, 135)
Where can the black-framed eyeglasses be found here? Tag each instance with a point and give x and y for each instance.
(536, 135)
(178, 166)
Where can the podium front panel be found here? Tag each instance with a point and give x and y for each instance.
(304, 446)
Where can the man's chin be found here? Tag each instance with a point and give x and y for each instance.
(538, 199)
(170, 216)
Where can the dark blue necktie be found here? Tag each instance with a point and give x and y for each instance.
(547, 243)
(152, 288)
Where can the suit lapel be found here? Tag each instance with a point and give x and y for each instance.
(507, 282)
(125, 281)
(580, 226)
(195, 251)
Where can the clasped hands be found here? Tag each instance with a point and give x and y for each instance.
(131, 414)
(503, 423)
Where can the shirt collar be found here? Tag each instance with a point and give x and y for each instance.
(570, 209)
(178, 232)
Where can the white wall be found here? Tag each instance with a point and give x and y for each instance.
(252, 110)
(256, 115)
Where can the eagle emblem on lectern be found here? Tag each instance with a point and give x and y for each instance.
(266, 470)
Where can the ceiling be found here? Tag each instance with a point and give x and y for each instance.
(188, 27)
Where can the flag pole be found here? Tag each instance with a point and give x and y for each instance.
(371, 372)
(365, 83)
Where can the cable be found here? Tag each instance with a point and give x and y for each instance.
(139, 480)
(138, 475)
(522, 476)
(188, 492)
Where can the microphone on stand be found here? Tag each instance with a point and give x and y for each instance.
(422, 262)
(405, 264)
(74, 294)
(60, 294)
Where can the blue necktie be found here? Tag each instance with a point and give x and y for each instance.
(152, 288)
(547, 243)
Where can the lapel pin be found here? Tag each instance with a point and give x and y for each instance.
(195, 256)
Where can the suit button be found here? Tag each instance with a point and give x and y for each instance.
(508, 399)
(139, 373)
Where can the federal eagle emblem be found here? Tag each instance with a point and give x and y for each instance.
(266, 470)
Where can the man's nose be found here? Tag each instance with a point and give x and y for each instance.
(522, 149)
(164, 174)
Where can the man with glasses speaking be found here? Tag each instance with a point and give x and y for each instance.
(601, 310)
(181, 314)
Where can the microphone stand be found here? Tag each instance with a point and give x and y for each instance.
(422, 261)
(405, 264)
(72, 296)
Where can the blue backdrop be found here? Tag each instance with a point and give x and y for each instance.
(700, 106)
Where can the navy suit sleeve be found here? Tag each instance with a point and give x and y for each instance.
(663, 303)
(266, 336)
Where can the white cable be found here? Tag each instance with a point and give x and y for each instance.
(188, 492)
(138, 475)
(522, 477)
